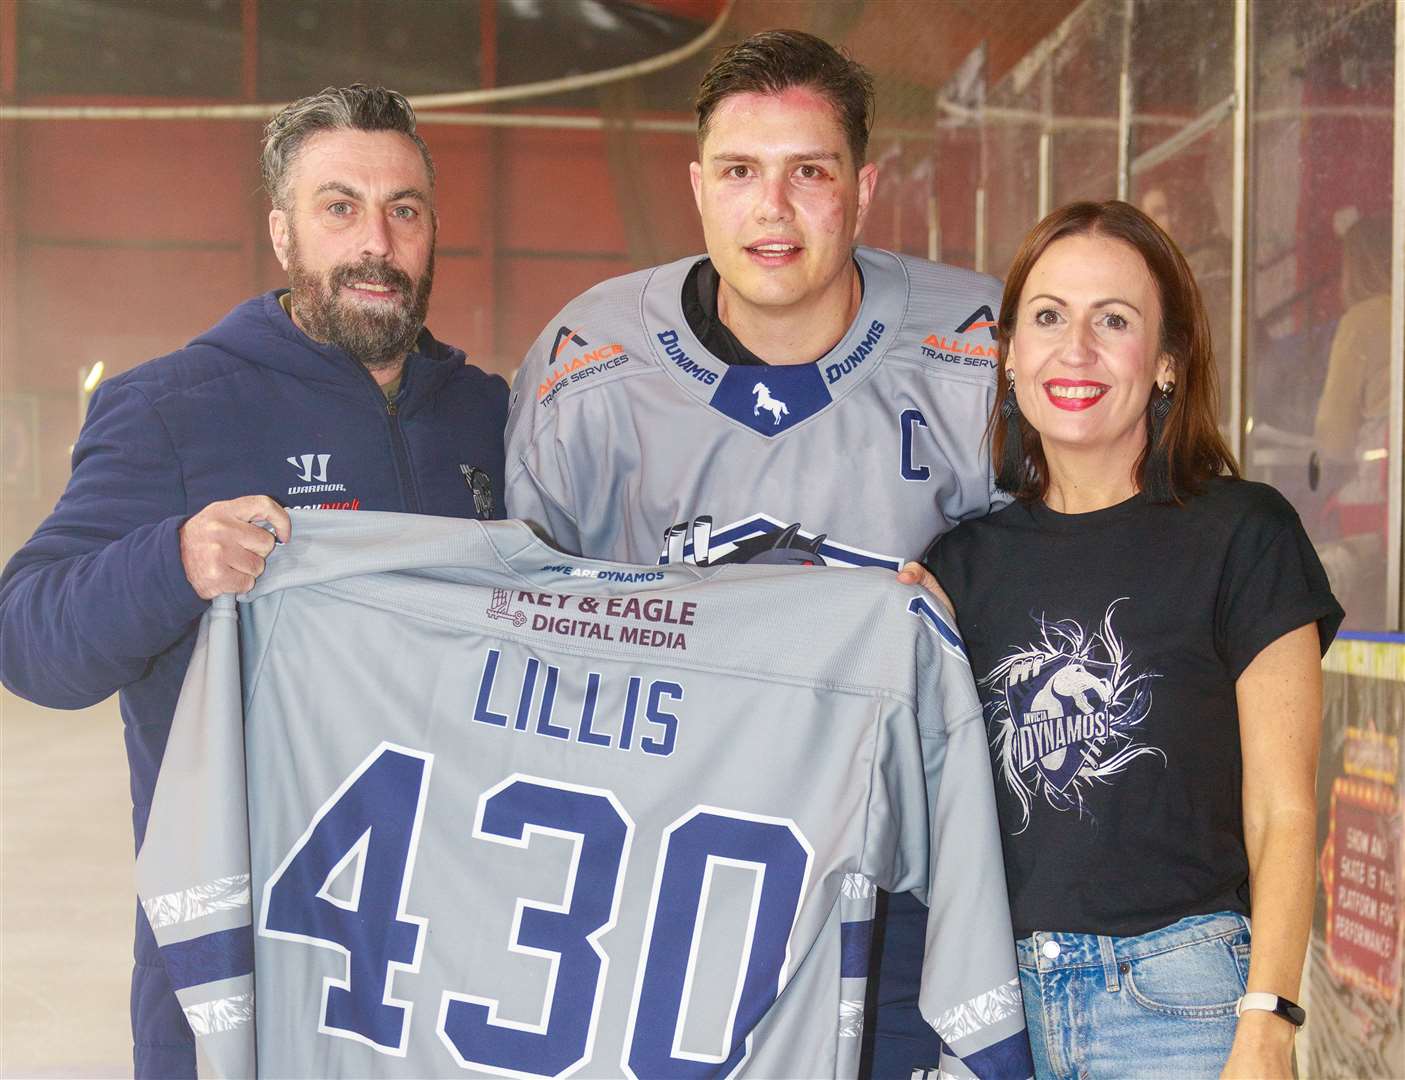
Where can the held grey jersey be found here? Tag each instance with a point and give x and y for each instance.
(515, 813)
(628, 440)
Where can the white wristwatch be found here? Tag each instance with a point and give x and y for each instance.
(1291, 1011)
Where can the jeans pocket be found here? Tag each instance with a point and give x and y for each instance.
(1202, 980)
(1241, 957)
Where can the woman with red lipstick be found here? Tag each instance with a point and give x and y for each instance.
(1144, 627)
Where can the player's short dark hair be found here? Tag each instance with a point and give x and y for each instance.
(776, 60)
(347, 108)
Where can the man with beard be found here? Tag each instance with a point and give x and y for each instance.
(329, 395)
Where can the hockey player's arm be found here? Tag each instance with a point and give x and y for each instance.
(538, 484)
(100, 588)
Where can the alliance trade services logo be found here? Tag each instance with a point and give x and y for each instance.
(980, 319)
(563, 368)
(958, 349)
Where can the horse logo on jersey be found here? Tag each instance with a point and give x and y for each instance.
(760, 539)
(790, 395)
(1068, 713)
(764, 400)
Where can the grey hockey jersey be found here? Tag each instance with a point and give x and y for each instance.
(628, 440)
(446, 802)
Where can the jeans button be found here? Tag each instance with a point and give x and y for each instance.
(1051, 949)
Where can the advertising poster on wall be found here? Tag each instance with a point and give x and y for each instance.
(1353, 978)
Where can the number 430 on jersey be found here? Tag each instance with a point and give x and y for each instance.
(371, 826)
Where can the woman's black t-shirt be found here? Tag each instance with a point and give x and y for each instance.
(1105, 647)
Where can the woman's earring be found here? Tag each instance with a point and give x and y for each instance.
(1010, 469)
(1161, 407)
(1156, 474)
(1010, 405)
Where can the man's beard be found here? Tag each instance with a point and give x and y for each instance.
(378, 336)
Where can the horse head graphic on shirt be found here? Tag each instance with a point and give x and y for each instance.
(1073, 682)
(1068, 713)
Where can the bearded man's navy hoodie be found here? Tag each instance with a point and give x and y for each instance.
(97, 601)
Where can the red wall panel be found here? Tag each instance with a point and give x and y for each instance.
(460, 310)
(121, 306)
(138, 180)
(460, 164)
(556, 193)
(672, 213)
(550, 283)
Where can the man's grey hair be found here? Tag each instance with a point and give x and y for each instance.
(347, 108)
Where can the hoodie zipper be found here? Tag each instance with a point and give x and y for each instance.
(401, 450)
(409, 497)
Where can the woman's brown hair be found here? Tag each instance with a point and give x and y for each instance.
(1190, 449)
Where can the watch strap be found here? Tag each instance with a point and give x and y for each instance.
(1291, 1011)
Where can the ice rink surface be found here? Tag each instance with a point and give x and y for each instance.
(67, 901)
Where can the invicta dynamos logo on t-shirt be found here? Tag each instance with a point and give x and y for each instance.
(1068, 714)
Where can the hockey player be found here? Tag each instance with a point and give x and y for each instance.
(788, 397)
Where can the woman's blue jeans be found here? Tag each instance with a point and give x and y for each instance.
(1156, 1005)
